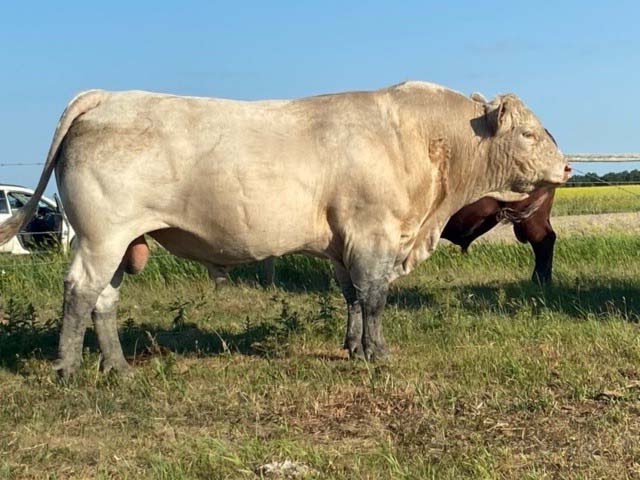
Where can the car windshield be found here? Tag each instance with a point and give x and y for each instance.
(3, 203)
(19, 199)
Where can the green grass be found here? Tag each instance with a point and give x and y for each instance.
(603, 199)
(491, 376)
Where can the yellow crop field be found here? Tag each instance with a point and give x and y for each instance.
(605, 199)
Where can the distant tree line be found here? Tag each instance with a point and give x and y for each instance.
(593, 179)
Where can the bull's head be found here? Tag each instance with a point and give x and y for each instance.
(522, 154)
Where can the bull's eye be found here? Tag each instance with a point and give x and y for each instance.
(529, 135)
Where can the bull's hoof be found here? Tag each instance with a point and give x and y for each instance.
(119, 366)
(65, 368)
(376, 353)
(356, 352)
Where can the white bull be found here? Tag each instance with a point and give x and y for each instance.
(366, 179)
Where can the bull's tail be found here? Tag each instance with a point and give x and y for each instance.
(82, 103)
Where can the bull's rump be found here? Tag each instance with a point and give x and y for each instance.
(246, 179)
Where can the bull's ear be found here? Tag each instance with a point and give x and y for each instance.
(501, 113)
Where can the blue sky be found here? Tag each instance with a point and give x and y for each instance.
(576, 64)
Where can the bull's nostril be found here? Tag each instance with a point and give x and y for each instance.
(567, 168)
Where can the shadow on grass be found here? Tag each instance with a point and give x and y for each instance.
(410, 298)
(141, 341)
(24, 337)
(577, 299)
(294, 273)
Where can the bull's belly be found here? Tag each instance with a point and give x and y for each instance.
(228, 251)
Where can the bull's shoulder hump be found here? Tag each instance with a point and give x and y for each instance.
(416, 84)
(419, 86)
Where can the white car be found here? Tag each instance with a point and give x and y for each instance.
(49, 226)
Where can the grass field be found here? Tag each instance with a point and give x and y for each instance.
(604, 199)
(491, 376)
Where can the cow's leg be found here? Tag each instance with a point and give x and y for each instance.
(104, 317)
(269, 269)
(543, 251)
(371, 275)
(92, 268)
(353, 335)
(540, 235)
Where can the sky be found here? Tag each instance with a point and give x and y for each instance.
(576, 64)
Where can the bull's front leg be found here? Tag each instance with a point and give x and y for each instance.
(371, 275)
(373, 299)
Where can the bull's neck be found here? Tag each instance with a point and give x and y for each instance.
(471, 172)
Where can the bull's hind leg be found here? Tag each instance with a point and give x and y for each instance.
(91, 270)
(353, 336)
(104, 317)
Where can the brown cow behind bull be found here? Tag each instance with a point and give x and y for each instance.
(530, 219)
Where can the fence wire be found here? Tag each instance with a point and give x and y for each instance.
(20, 164)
